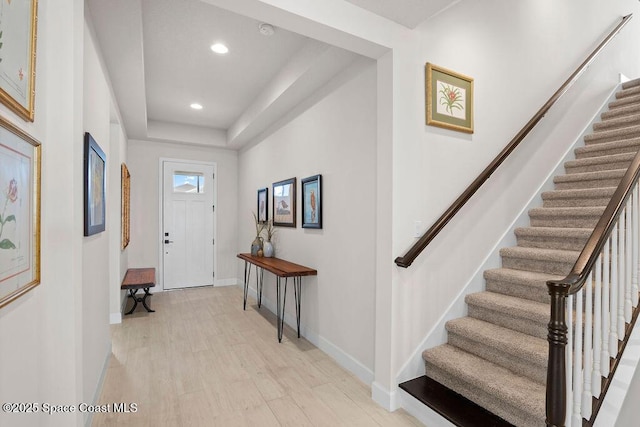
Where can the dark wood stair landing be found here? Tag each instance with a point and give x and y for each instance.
(457, 409)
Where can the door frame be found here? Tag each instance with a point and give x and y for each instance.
(161, 161)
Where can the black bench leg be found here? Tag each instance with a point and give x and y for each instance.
(144, 300)
(132, 294)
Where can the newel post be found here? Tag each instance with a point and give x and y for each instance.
(556, 368)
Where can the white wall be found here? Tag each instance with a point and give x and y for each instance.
(336, 137)
(143, 162)
(56, 337)
(41, 332)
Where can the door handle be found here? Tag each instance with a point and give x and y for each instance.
(168, 241)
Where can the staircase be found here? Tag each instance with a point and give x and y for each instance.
(496, 357)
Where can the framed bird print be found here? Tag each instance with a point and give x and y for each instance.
(284, 203)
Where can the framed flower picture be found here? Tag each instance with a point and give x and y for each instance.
(284, 203)
(18, 56)
(312, 202)
(449, 99)
(19, 213)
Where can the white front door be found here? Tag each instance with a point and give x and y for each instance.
(188, 218)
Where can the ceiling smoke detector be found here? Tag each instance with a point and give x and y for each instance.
(266, 29)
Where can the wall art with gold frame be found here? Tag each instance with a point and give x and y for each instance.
(126, 206)
(449, 99)
(20, 166)
(18, 21)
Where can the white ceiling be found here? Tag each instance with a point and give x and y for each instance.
(157, 53)
(409, 13)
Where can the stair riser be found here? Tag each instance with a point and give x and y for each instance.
(624, 102)
(523, 367)
(602, 137)
(598, 167)
(621, 112)
(595, 183)
(566, 222)
(617, 122)
(540, 266)
(625, 93)
(608, 151)
(576, 202)
(520, 324)
(502, 408)
(563, 243)
(532, 293)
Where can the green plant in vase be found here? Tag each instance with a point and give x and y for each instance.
(256, 245)
(270, 231)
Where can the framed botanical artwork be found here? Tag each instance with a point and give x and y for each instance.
(19, 213)
(263, 205)
(126, 205)
(95, 163)
(284, 203)
(449, 99)
(18, 56)
(312, 202)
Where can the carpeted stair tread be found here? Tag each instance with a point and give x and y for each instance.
(486, 338)
(562, 238)
(628, 110)
(526, 316)
(618, 122)
(609, 178)
(578, 197)
(600, 163)
(573, 217)
(612, 135)
(523, 284)
(517, 399)
(541, 260)
(607, 148)
(631, 83)
(627, 92)
(624, 102)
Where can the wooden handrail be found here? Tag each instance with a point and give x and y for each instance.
(407, 259)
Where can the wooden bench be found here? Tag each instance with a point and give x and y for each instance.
(136, 279)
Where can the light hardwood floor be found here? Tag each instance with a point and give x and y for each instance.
(200, 360)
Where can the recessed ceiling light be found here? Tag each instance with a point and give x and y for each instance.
(219, 48)
(196, 106)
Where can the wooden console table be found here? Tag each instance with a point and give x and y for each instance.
(282, 270)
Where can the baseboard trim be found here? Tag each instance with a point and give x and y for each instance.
(384, 397)
(341, 357)
(115, 318)
(225, 282)
(88, 417)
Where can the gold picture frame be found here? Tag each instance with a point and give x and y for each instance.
(126, 205)
(449, 97)
(18, 21)
(20, 167)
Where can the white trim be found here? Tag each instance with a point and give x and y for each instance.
(422, 412)
(115, 318)
(343, 359)
(88, 417)
(414, 366)
(226, 282)
(384, 397)
(160, 277)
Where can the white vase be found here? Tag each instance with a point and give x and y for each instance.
(269, 251)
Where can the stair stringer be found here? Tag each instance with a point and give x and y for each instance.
(414, 366)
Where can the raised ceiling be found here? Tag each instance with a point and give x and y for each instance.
(158, 56)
